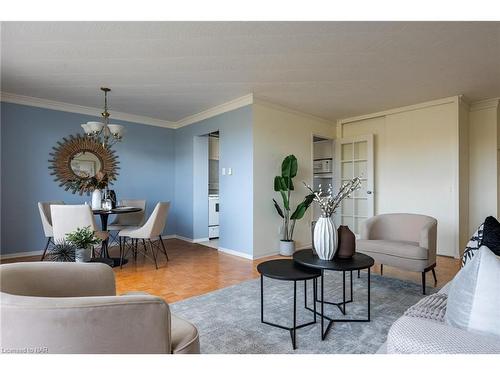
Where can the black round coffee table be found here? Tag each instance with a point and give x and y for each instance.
(288, 270)
(104, 215)
(358, 262)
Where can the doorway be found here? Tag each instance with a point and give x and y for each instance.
(213, 191)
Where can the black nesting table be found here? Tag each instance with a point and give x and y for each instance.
(288, 270)
(358, 262)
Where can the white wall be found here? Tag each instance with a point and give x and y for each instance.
(483, 161)
(277, 133)
(416, 163)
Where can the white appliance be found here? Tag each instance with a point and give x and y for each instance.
(213, 216)
(323, 166)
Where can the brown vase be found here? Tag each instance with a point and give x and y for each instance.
(347, 243)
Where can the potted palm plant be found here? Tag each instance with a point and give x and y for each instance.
(284, 185)
(83, 239)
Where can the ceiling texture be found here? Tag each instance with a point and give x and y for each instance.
(170, 70)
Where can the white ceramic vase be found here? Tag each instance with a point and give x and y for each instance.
(287, 248)
(325, 238)
(96, 199)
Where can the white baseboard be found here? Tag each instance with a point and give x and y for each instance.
(236, 253)
(176, 236)
(20, 255)
(196, 240)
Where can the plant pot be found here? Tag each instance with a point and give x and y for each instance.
(325, 238)
(287, 248)
(83, 255)
(96, 199)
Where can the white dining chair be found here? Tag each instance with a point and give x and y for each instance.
(151, 231)
(68, 218)
(124, 221)
(45, 216)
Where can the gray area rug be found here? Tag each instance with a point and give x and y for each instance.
(228, 320)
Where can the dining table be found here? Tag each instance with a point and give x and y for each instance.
(104, 215)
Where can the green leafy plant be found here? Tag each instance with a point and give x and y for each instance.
(62, 252)
(82, 238)
(284, 185)
(99, 181)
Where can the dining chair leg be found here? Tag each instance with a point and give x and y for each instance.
(121, 250)
(46, 247)
(163, 246)
(144, 246)
(135, 248)
(153, 252)
(434, 275)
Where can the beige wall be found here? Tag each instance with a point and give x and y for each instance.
(483, 161)
(417, 163)
(279, 132)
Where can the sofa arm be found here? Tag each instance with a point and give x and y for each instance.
(57, 279)
(117, 324)
(366, 228)
(410, 335)
(428, 238)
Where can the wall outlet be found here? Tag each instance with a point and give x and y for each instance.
(223, 171)
(230, 171)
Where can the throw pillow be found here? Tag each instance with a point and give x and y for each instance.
(473, 245)
(473, 299)
(491, 234)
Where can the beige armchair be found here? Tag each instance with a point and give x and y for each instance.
(406, 241)
(72, 308)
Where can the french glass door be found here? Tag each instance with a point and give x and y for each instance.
(354, 158)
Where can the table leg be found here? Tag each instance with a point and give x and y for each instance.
(343, 292)
(262, 298)
(104, 228)
(294, 336)
(322, 307)
(369, 292)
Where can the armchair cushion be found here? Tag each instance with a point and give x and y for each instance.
(184, 337)
(402, 249)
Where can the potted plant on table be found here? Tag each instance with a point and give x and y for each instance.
(284, 185)
(83, 239)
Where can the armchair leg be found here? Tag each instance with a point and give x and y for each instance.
(435, 278)
(359, 275)
(381, 269)
(423, 283)
(46, 247)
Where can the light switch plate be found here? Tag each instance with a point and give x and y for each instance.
(223, 171)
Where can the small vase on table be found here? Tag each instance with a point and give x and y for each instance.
(96, 199)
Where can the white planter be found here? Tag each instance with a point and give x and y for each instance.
(96, 199)
(287, 248)
(325, 238)
(82, 255)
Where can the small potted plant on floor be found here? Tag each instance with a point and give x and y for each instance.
(83, 239)
(284, 185)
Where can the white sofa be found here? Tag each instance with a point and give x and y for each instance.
(417, 335)
(73, 308)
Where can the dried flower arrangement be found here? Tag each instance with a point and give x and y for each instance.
(328, 202)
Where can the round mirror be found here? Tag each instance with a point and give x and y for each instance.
(85, 164)
(76, 162)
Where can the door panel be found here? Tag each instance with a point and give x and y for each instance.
(354, 158)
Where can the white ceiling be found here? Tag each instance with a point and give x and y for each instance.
(169, 70)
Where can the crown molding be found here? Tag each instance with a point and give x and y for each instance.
(74, 108)
(413, 107)
(217, 110)
(282, 108)
(484, 104)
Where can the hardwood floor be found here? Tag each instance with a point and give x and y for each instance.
(195, 269)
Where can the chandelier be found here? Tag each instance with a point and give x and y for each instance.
(103, 132)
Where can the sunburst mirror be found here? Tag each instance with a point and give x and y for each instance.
(78, 161)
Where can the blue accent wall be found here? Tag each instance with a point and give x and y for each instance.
(236, 191)
(27, 136)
